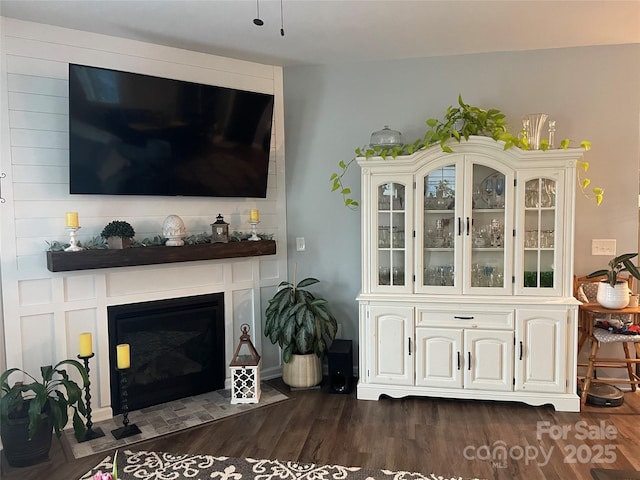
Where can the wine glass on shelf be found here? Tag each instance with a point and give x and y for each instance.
(488, 187)
(499, 192)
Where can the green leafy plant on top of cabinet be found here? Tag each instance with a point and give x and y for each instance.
(459, 122)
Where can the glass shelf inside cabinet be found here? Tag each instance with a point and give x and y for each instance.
(439, 231)
(488, 227)
(539, 233)
(391, 240)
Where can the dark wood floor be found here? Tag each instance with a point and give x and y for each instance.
(415, 434)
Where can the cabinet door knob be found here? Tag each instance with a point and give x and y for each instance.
(459, 226)
(409, 343)
(469, 357)
(462, 318)
(521, 350)
(459, 360)
(468, 229)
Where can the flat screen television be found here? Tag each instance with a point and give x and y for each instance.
(133, 134)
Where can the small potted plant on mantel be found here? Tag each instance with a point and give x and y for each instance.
(613, 292)
(118, 234)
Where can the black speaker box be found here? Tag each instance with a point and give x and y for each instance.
(340, 359)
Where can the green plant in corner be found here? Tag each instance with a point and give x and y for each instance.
(54, 395)
(617, 265)
(299, 322)
(459, 122)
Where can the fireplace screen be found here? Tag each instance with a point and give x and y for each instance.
(177, 349)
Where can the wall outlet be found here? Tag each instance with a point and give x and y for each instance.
(603, 247)
(300, 246)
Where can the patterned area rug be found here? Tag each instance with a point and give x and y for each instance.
(171, 417)
(167, 466)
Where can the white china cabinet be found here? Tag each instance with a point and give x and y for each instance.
(467, 261)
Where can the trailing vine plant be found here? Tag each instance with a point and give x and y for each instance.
(459, 122)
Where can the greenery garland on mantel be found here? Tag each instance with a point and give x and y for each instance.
(99, 243)
(459, 122)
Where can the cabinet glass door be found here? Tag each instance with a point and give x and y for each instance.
(489, 245)
(539, 235)
(440, 228)
(391, 240)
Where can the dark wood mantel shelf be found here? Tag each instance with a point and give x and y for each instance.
(128, 257)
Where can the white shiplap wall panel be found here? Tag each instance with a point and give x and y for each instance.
(18, 42)
(33, 245)
(27, 57)
(40, 174)
(34, 86)
(39, 156)
(23, 137)
(51, 191)
(39, 121)
(38, 103)
(37, 66)
(40, 85)
(30, 267)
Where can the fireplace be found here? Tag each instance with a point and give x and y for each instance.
(177, 349)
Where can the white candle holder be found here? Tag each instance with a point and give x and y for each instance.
(73, 240)
(254, 236)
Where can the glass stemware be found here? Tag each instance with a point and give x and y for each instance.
(499, 192)
(488, 187)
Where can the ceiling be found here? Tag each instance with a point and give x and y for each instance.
(332, 31)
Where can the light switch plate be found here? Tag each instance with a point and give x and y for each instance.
(300, 246)
(603, 247)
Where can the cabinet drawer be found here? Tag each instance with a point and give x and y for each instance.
(466, 318)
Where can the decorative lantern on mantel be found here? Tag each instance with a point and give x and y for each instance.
(245, 371)
(220, 230)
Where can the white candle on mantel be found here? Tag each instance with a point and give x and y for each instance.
(254, 215)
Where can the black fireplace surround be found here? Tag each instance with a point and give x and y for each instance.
(177, 349)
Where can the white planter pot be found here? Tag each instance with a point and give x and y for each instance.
(303, 371)
(613, 297)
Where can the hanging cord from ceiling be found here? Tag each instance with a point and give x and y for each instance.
(258, 21)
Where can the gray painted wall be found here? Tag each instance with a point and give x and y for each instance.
(593, 93)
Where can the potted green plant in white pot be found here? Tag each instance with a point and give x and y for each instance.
(30, 410)
(118, 234)
(613, 292)
(304, 327)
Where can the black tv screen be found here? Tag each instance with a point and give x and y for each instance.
(133, 134)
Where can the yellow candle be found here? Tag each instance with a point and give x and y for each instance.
(86, 347)
(72, 220)
(123, 358)
(254, 215)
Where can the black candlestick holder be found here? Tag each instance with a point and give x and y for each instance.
(91, 433)
(126, 430)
